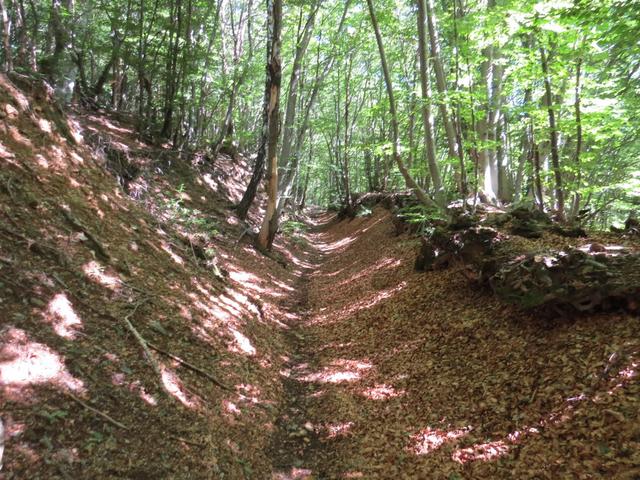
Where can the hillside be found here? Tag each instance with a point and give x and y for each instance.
(83, 264)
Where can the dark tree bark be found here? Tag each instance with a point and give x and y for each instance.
(274, 72)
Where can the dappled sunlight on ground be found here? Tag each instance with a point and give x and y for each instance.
(154, 240)
(25, 364)
(483, 452)
(429, 439)
(62, 316)
(175, 387)
(501, 398)
(294, 474)
(340, 370)
(96, 272)
(381, 392)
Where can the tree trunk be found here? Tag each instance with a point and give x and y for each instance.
(422, 196)
(441, 82)
(171, 70)
(287, 152)
(525, 145)
(269, 227)
(575, 207)
(6, 38)
(553, 133)
(292, 97)
(429, 142)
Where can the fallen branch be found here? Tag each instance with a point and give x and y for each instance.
(97, 412)
(97, 246)
(189, 366)
(188, 442)
(143, 343)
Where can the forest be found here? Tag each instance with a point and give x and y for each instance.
(319, 239)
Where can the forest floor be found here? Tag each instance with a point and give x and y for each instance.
(398, 374)
(337, 361)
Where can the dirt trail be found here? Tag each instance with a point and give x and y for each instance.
(402, 375)
(295, 439)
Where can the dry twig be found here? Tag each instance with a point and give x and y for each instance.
(189, 366)
(97, 412)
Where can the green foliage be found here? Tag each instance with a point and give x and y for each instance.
(192, 61)
(421, 216)
(175, 210)
(293, 227)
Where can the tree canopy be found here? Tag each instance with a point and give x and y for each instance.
(499, 100)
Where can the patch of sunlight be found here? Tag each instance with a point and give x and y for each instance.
(339, 371)
(42, 161)
(119, 380)
(430, 439)
(294, 474)
(251, 282)
(21, 139)
(333, 274)
(44, 125)
(243, 300)
(231, 407)
(174, 386)
(96, 272)
(375, 299)
(382, 264)
(353, 474)
(356, 307)
(210, 182)
(16, 95)
(337, 245)
(338, 429)
(482, 452)
(382, 392)
(242, 343)
(76, 158)
(26, 363)
(175, 257)
(61, 314)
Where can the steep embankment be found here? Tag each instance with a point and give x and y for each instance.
(420, 376)
(90, 278)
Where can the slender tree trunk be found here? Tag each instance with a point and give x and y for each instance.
(292, 96)
(575, 207)
(259, 165)
(290, 156)
(269, 227)
(422, 196)
(553, 133)
(429, 142)
(525, 145)
(458, 12)
(6, 37)
(537, 182)
(441, 82)
(200, 111)
(171, 71)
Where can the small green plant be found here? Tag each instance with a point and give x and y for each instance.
(53, 415)
(363, 211)
(420, 215)
(293, 228)
(191, 217)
